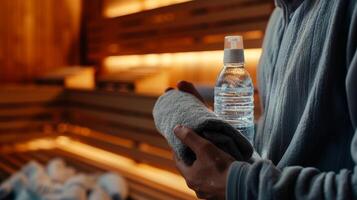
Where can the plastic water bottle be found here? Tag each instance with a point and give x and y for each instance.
(234, 91)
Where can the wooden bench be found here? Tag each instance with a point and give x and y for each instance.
(138, 189)
(29, 112)
(136, 79)
(117, 123)
(120, 123)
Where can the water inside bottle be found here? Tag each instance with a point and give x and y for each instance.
(236, 107)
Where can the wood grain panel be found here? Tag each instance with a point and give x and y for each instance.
(139, 104)
(37, 36)
(181, 27)
(28, 109)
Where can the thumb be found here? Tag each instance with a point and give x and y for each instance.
(188, 87)
(190, 138)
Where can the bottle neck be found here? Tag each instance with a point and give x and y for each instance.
(234, 65)
(233, 56)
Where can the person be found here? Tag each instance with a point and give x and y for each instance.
(307, 134)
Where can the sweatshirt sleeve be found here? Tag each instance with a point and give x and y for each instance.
(263, 180)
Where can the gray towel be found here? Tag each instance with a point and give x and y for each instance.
(181, 108)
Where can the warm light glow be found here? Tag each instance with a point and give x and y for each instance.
(247, 35)
(33, 145)
(199, 67)
(155, 150)
(115, 8)
(168, 60)
(94, 134)
(125, 165)
(82, 79)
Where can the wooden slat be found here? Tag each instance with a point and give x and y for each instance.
(12, 161)
(3, 175)
(16, 136)
(150, 31)
(166, 192)
(192, 5)
(117, 116)
(72, 161)
(22, 157)
(157, 47)
(27, 111)
(71, 158)
(132, 153)
(112, 118)
(231, 28)
(6, 168)
(39, 156)
(111, 100)
(251, 11)
(139, 191)
(29, 94)
(29, 125)
(112, 133)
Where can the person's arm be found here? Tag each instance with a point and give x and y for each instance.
(263, 180)
(215, 172)
(215, 175)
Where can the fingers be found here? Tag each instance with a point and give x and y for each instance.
(168, 89)
(188, 87)
(190, 138)
(180, 165)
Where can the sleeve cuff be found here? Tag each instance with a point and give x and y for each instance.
(236, 181)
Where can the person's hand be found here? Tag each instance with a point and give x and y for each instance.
(208, 174)
(188, 87)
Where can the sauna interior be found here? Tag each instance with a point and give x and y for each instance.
(79, 80)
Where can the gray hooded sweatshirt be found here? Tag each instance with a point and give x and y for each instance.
(307, 135)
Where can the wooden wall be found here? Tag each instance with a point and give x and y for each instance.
(198, 25)
(115, 43)
(37, 36)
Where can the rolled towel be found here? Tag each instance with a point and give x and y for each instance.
(39, 183)
(30, 182)
(74, 192)
(58, 171)
(115, 185)
(85, 181)
(98, 193)
(181, 108)
(25, 194)
(32, 168)
(14, 184)
(76, 187)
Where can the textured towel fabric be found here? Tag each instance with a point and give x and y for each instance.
(114, 185)
(307, 135)
(99, 194)
(180, 108)
(58, 171)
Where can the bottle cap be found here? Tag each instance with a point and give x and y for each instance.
(233, 49)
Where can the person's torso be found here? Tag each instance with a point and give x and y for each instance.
(302, 76)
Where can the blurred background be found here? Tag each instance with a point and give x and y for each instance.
(79, 80)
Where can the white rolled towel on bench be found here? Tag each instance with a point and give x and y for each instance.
(114, 185)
